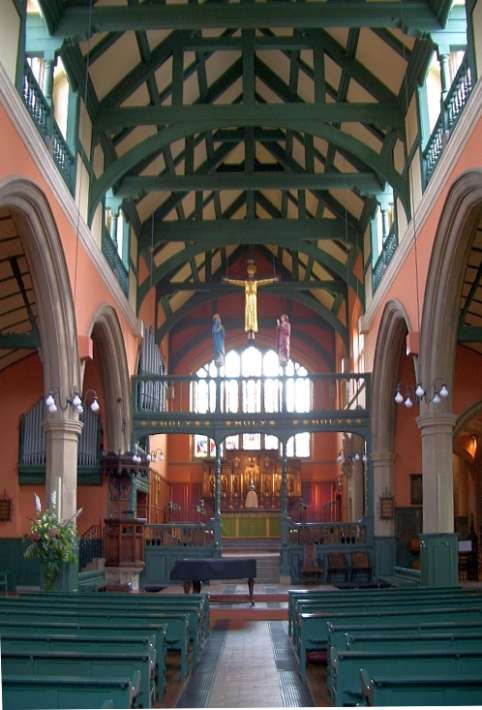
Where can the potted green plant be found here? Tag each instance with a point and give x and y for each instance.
(51, 541)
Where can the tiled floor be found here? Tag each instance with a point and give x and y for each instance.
(248, 664)
(246, 673)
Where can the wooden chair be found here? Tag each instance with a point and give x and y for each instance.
(360, 564)
(310, 567)
(337, 566)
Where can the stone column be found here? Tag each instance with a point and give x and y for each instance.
(439, 555)
(384, 530)
(62, 441)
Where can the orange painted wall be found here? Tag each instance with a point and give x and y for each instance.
(21, 387)
(467, 379)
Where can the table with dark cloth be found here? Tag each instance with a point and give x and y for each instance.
(194, 571)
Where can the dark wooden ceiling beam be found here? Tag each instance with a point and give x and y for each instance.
(77, 21)
(387, 115)
(138, 185)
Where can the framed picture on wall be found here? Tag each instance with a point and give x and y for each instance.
(416, 489)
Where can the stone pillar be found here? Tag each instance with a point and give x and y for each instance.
(384, 530)
(438, 541)
(62, 442)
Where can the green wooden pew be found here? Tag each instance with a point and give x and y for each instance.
(434, 690)
(371, 594)
(465, 642)
(176, 624)
(314, 625)
(381, 605)
(37, 641)
(76, 602)
(346, 688)
(155, 633)
(195, 601)
(337, 632)
(459, 641)
(134, 666)
(196, 605)
(24, 692)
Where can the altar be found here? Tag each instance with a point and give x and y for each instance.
(251, 524)
(245, 471)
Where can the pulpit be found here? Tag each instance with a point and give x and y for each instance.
(124, 551)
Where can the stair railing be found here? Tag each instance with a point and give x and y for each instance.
(91, 545)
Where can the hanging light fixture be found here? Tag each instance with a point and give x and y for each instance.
(432, 395)
(54, 403)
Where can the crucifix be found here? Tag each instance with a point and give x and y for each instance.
(251, 286)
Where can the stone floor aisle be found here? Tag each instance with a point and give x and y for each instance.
(246, 664)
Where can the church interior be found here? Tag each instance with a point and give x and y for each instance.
(240, 353)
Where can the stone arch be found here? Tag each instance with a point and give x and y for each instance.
(453, 239)
(45, 256)
(465, 417)
(106, 331)
(392, 331)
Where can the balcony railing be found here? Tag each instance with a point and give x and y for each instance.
(389, 248)
(109, 249)
(179, 535)
(41, 112)
(261, 396)
(452, 108)
(328, 533)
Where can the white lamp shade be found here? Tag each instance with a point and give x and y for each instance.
(444, 391)
(76, 401)
(408, 403)
(419, 391)
(52, 408)
(95, 406)
(436, 399)
(399, 397)
(49, 401)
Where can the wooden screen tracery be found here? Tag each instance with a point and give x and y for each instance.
(241, 468)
